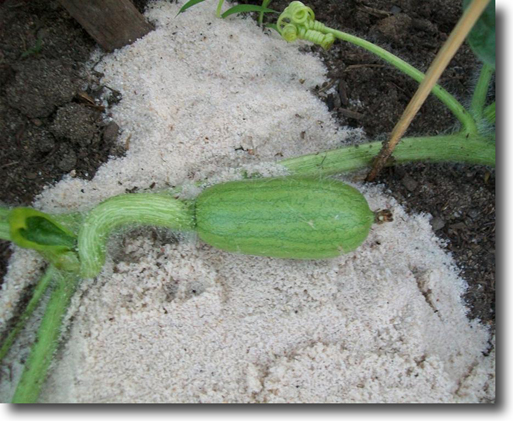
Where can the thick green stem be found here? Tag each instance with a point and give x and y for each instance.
(39, 290)
(131, 209)
(47, 339)
(480, 92)
(219, 7)
(453, 148)
(452, 103)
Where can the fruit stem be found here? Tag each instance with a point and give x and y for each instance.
(159, 210)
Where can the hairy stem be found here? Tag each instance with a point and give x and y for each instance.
(480, 92)
(434, 72)
(452, 103)
(453, 148)
(39, 291)
(131, 209)
(47, 339)
(489, 113)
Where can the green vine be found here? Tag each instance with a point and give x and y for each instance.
(489, 113)
(297, 21)
(477, 150)
(219, 8)
(38, 293)
(481, 91)
(47, 339)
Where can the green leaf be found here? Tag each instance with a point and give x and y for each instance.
(36, 230)
(42, 231)
(241, 8)
(190, 3)
(482, 37)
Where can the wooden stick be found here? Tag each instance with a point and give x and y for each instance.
(112, 23)
(434, 72)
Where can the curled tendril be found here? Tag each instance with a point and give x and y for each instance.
(289, 32)
(298, 21)
(300, 13)
(324, 40)
(316, 26)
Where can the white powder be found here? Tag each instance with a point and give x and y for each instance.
(183, 322)
(24, 270)
(194, 91)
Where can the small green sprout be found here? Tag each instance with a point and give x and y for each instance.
(35, 49)
(240, 8)
(191, 3)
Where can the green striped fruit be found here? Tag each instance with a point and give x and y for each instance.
(295, 218)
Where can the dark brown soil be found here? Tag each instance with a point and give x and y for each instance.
(50, 117)
(50, 129)
(51, 123)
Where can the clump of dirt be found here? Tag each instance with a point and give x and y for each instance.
(39, 86)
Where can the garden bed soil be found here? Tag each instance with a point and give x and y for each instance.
(53, 125)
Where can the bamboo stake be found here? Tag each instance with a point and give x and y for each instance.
(442, 59)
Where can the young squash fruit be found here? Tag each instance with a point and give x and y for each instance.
(295, 218)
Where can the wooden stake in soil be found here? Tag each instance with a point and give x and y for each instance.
(112, 23)
(442, 59)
